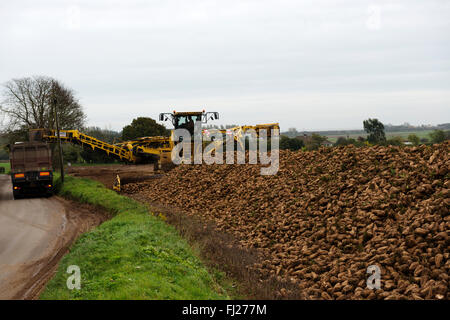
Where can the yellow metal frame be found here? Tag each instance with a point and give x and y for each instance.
(130, 151)
(239, 131)
(135, 150)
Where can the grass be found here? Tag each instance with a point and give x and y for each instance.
(7, 167)
(135, 255)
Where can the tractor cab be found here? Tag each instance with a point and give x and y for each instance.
(187, 120)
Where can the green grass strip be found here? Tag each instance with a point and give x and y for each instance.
(7, 167)
(135, 255)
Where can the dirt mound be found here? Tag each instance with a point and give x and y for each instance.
(106, 174)
(329, 214)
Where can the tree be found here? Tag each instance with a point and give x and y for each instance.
(395, 141)
(315, 142)
(287, 143)
(106, 135)
(375, 129)
(12, 136)
(144, 127)
(341, 141)
(437, 136)
(96, 156)
(71, 153)
(70, 112)
(3, 154)
(414, 139)
(28, 104)
(3, 150)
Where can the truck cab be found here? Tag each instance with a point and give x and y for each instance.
(186, 120)
(31, 169)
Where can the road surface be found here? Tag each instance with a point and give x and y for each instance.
(29, 231)
(35, 234)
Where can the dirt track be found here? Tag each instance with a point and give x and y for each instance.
(106, 174)
(34, 235)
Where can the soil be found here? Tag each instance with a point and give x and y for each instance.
(106, 174)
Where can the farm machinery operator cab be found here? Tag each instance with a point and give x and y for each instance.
(187, 120)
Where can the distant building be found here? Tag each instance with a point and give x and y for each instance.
(327, 143)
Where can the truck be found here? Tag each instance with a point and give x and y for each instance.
(31, 169)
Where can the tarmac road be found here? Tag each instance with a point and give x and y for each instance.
(30, 230)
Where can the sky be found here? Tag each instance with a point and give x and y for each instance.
(312, 65)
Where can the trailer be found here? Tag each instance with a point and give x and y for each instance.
(31, 169)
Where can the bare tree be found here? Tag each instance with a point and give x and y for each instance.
(28, 104)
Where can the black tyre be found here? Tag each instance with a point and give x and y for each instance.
(17, 196)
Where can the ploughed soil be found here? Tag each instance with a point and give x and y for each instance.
(317, 226)
(106, 174)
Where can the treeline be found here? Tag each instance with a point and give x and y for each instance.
(407, 127)
(139, 127)
(292, 132)
(314, 142)
(77, 154)
(436, 136)
(219, 127)
(375, 131)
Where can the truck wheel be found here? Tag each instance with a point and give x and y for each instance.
(17, 196)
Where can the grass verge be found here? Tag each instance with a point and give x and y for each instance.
(135, 255)
(7, 167)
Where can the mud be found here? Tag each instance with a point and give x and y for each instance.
(106, 174)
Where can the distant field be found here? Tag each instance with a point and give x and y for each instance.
(6, 166)
(404, 134)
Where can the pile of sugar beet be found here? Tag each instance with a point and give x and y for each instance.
(328, 215)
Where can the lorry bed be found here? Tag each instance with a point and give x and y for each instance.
(31, 168)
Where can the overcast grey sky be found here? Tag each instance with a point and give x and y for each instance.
(307, 64)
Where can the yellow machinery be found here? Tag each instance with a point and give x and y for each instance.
(238, 133)
(141, 150)
(116, 185)
(148, 149)
(186, 120)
